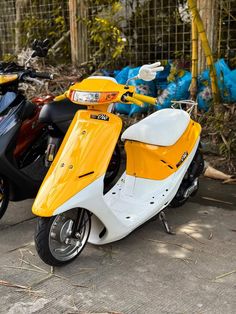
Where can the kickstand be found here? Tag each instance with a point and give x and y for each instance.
(164, 221)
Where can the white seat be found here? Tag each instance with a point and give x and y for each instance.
(162, 128)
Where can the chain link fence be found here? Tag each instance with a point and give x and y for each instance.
(227, 28)
(23, 20)
(151, 30)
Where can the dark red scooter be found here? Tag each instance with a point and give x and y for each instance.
(31, 132)
(22, 137)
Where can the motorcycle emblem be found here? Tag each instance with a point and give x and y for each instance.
(182, 159)
(101, 116)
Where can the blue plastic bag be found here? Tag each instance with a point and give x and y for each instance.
(204, 98)
(229, 92)
(161, 78)
(226, 80)
(175, 91)
(142, 87)
(221, 69)
(122, 75)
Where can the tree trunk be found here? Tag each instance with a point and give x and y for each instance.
(208, 10)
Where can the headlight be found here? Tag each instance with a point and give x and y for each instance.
(93, 98)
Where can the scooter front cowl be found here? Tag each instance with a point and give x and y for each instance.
(82, 158)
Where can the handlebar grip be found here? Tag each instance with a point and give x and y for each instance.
(43, 75)
(134, 100)
(144, 98)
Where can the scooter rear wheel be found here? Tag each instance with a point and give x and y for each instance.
(4, 196)
(60, 239)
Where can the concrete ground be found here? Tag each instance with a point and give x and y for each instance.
(148, 272)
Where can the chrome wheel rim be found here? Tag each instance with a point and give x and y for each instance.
(63, 244)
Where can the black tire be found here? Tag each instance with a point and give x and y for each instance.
(113, 167)
(195, 169)
(4, 196)
(43, 238)
(180, 201)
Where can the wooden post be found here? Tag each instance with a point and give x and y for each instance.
(17, 29)
(82, 32)
(20, 7)
(78, 31)
(73, 31)
(4, 28)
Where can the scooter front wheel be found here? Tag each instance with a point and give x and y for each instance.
(60, 239)
(4, 196)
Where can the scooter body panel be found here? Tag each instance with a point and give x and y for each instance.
(83, 157)
(31, 129)
(130, 203)
(159, 162)
(21, 186)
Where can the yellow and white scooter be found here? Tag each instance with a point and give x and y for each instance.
(163, 165)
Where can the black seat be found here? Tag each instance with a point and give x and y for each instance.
(59, 113)
(29, 110)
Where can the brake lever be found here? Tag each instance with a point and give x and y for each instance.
(34, 80)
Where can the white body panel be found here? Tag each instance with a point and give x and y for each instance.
(130, 203)
(162, 128)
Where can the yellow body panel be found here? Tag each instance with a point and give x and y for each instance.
(100, 85)
(6, 78)
(82, 158)
(60, 97)
(159, 162)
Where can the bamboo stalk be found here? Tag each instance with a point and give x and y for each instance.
(193, 87)
(206, 47)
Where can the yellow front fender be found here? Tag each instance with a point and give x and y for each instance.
(82, 158)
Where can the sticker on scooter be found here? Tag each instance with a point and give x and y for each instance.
(103, 117)
(182, 159)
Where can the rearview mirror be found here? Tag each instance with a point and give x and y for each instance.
(40, 48)
(148, 72)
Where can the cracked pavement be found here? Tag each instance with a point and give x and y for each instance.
(147, 272)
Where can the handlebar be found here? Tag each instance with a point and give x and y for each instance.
(30, 73)
(34, 80)
(134, 100)
(139, 99)
(144, 98)
(43, 75)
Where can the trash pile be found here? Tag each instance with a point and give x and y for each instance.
(226, 79)
(178, 89)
